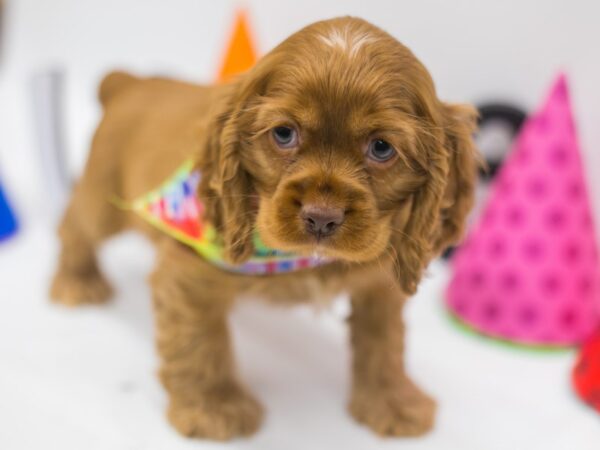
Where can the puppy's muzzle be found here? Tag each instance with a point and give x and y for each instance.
(321, 221)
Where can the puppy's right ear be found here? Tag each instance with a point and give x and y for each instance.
(227, 188)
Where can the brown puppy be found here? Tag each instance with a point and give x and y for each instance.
(335, 143)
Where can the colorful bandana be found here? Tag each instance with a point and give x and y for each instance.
(176, 210)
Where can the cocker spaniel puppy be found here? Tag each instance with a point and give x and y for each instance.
(331, 166)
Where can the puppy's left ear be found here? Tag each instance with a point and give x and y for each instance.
(433, 217)
(464, 162)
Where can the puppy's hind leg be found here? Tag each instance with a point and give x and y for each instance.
(78, 279)
(89, 219)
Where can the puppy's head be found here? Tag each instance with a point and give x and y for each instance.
(336, 143)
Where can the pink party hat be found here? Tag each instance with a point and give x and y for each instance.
(528, 272)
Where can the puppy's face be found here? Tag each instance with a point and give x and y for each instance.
(339, 133)
(332, 157)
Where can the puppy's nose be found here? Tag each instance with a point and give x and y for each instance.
(321, 221)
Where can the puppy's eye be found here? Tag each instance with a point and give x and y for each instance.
(285, 137)
(380, 151)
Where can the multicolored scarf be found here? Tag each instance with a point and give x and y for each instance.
(175, 209)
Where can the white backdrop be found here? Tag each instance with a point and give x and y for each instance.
(475, 49)
(86, 379)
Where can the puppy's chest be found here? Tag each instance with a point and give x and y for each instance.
(302, 287)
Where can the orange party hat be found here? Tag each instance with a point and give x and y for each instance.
(241, 53)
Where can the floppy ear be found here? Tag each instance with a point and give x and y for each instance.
(461, 123)
(226, 187)
(433, 217)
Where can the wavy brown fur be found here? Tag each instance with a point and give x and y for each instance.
(340, 83)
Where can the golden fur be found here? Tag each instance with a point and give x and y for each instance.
(340, 83)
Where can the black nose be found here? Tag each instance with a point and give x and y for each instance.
(321, 221)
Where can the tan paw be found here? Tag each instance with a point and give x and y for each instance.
(74, 290)
(221, 415)
(402, 410)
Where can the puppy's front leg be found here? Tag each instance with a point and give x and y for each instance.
(382, 396)
(197, 366)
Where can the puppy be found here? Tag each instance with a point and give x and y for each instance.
(333, 148)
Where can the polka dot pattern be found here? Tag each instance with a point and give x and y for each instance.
(529, 272)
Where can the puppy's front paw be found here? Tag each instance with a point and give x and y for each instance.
(73, 290)
(399, 410)
(220, 414)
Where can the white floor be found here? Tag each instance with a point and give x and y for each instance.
(85, 379)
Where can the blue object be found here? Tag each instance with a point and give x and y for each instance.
(8, 222)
